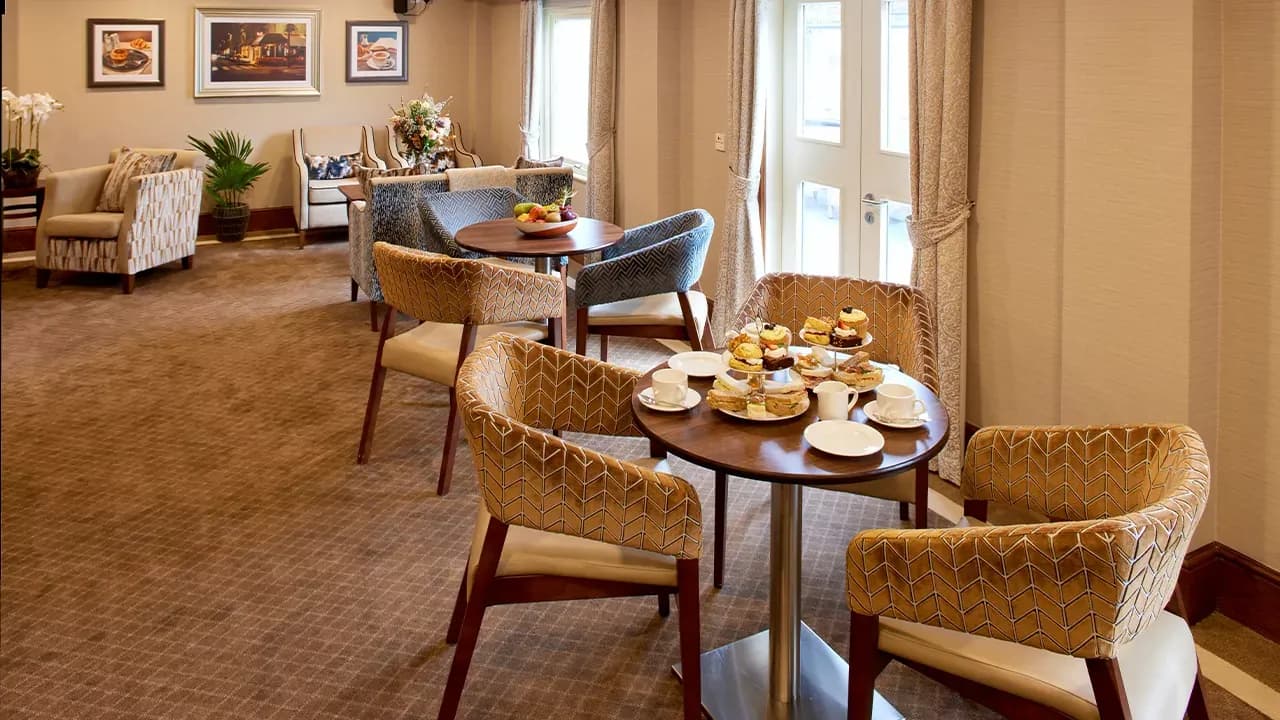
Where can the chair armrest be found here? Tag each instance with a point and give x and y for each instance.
(573, 394)
(300, 206)
(501, 295)
(674, 265)
(74, 191)
(161, 210)
(1080, 472)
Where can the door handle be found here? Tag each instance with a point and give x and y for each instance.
(870, 199)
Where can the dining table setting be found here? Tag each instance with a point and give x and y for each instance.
(796, 410)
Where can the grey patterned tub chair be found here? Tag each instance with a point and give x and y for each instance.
(647, 285)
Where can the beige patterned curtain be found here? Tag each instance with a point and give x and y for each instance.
(530, 26)
(600, 153)
(740, 255)
(940, 33)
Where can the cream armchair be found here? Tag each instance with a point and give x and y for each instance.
(320, 203)
(1060, 619)
(158, 225)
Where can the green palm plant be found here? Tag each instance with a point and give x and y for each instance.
(230, 174)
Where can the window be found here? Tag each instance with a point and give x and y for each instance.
(564, 81)
(820, 60)
(895, 117)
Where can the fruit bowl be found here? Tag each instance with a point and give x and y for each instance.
(546, 229)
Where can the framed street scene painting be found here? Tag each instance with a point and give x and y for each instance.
(257, 52)
(126, 53)
(377, 51)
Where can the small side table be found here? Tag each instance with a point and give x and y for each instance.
(22, 211)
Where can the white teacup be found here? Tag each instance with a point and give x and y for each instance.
(833, 400)
(670, 386)
(897, 401)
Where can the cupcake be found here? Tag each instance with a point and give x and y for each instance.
(851, 325)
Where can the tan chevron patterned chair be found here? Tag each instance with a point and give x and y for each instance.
(1060, 619)
(456, 302)
(902, 330)
(558, 521)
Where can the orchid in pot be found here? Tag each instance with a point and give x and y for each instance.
(422, 128)
(25, 114)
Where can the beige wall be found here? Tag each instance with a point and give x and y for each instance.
(10, 49)
(98, 119)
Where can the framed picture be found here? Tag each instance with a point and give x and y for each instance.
(257, 52)
(125, 53)
(377, 51)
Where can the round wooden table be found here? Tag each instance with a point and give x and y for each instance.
(501, 238)
(786, 671)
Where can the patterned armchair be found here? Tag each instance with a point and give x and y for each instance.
(158, 225)
(1016, 608)
(557, 521)
(647, 285)
(901, 324)
(455, 302)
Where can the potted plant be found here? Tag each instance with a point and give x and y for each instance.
(25, 114)
(422, 129)
(227, 178)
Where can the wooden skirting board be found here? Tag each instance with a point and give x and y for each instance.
(273, 218)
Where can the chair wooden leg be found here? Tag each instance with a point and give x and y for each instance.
(604, 348)
(664, 604)
(1196, 707)
(302, 239)
(375, 391)
(1108, 688)
(188, 262)
(373, 315)
(904, 511)
(691, 330)
(561, 328)
(922, 495)
(472, 617)
(450, 446)
(690, 639)
(864, 664)
(459, 607)
(976, 509)
(127, 282)
(581, 331)
(42, 278)
(355, 290)
(722, 504)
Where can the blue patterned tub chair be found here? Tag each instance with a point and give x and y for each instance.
(647, 285)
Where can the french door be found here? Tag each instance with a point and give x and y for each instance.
(845, 124)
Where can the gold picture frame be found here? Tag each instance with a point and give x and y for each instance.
(257, 53)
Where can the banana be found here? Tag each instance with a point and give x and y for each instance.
(524, 207)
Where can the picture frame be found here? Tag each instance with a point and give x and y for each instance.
(257, 53)
(124, 52)
(377, 51)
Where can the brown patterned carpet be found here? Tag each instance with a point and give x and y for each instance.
(186, 533)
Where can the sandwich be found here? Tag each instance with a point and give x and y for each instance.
(859, 373)
(851, 326)
(817, 330)
(814, 366)
(745, 355)
(787, 403)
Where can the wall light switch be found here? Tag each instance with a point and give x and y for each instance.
(720, 142)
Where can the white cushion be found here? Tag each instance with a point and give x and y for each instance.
(85, 225)
(328, 215)
(320, 192)
(1157, 668)
(431, 350)
(661, 309)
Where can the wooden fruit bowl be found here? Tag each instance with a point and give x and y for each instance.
(546, 230)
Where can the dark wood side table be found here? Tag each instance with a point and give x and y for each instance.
(23, 239)
(786, 671)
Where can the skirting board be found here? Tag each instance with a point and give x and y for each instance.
(1217, 577)
(273, 218)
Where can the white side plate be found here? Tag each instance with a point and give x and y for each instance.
(698, 364)
(845, 438)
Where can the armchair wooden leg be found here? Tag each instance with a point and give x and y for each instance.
(450, 446)
(375, 391)
(976, 509)
(373, 315)
(1196, 707)
(664, 604)
(188, 262)
(472, 617)
(561, 327)
(922, 495)
(691, 330)
(355, 290)
(864, 664)
(459, 607)
(302, 239)
(722, 504)
(127, 282)
(581, 330)
(604, 348)
(904, 511)
(1108, 688)
(690, 640)
(42, 278)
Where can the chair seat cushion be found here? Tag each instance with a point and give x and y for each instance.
(85, 225)
(1158, 668)
(661, 309)
(431, 350)
(321, 192)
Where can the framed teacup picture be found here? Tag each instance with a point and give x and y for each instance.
(377, 51)
(126, 53)
(257, 52)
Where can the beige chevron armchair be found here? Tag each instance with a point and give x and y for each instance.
(456, 302)
(558, 521)
(902, 328)
(1060, 619)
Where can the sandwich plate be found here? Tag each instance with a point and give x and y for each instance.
(768, 417)
(844, 438)
(699, 364)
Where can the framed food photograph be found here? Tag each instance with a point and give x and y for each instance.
(125, 53)
(246, 53)
(377, 51)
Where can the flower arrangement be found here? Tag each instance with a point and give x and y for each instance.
(422, 128)
(24, 114)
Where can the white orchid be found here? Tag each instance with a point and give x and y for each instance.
(26, 113)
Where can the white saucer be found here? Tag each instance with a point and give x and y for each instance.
(698, 364)
(873, 413)
(845, 438)
(691, 400)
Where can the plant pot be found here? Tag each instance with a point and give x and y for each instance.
(231, 222)
(21, 179)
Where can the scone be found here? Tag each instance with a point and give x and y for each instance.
(745, 355)
(817, 330)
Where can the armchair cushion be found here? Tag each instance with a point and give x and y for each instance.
(523, 162)
(649, 310)
(430, 350)
(105, 225)
(332, 167)
(130, 165)
(324, 192)
(1159, 666)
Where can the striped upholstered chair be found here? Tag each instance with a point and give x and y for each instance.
(647, 285)
(557, 521)
(902, 328)
(456, 302)
(1061, 619)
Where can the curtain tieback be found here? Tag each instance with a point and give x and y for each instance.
(926, 232)
(597, 143)
(528, 133)
(742, 186)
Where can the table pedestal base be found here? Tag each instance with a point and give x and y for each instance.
(735, 682)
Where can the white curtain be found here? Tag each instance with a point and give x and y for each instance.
(530, 25)
(600, 137)
(940, 33)
(740, 253)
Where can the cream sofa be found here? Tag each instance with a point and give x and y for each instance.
(320, 203)
(158, 225)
